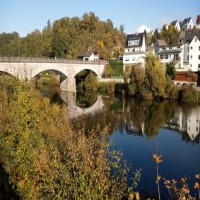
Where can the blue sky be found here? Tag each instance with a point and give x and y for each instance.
(24, 16)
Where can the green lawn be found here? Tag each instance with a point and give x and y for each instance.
(117, 67)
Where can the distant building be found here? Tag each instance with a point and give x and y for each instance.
(184, 55)
(198, 22)
(186, 24)
(159, 44)
(150, 48)
(88, 56)
(176, 25)
(170, 53)
(135, 49)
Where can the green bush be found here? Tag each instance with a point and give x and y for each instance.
(189, 94)
(90, 82)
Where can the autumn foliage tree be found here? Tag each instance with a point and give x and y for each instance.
(149, 82)
(47, 158)
(66, 38)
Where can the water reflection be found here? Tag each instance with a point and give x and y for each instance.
(187, 122)
(138, 117)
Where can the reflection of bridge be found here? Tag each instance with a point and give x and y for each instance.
(28, 68)
(75, 111)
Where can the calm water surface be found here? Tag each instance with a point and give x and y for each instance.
(141, 128)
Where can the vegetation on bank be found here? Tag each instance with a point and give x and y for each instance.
(46, 158)
(154, 82)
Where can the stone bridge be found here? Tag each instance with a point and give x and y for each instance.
(28, 68)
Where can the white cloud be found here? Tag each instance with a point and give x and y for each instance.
(142, 28)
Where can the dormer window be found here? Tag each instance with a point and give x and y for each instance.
(133, 42)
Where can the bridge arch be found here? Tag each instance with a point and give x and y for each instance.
(96, 71)
(61, 71)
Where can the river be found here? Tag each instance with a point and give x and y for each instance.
(140, 129)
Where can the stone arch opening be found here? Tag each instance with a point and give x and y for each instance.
(81, 76)
(66, 83)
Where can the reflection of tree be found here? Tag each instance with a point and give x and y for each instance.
(147, 116)
(135, 113)
(156, 115)
(104, 118)
(87, 99)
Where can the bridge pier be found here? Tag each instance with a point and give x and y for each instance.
(68, 85)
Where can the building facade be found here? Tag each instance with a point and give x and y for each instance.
(88, 56)
(135, 49)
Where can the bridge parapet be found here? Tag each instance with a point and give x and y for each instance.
(49, 60)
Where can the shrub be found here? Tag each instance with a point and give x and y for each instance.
(189, 94)
(90, 82)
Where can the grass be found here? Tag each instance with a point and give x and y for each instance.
(117, 67)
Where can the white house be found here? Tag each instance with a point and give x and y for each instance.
(135, 49)
(187, 23)
(191, 57)
(176, 25)
(170, 53)
(88, 56)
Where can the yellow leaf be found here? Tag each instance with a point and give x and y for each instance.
(157, 158)
(196, 186)
(158, 178)
(197, 176)
(137, 196)
(131, 195)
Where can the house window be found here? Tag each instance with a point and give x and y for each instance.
(133, 58)
(126, 59)
(161, 56)
(133, 50)
(199, 48)
(191, 48)
(166, 56)
(191, 57)
(163, 48)
(199, 57)
(170, 47)
(195, 39)
(178, 47)
(133, 42)
(187, 57)
(199, 66)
